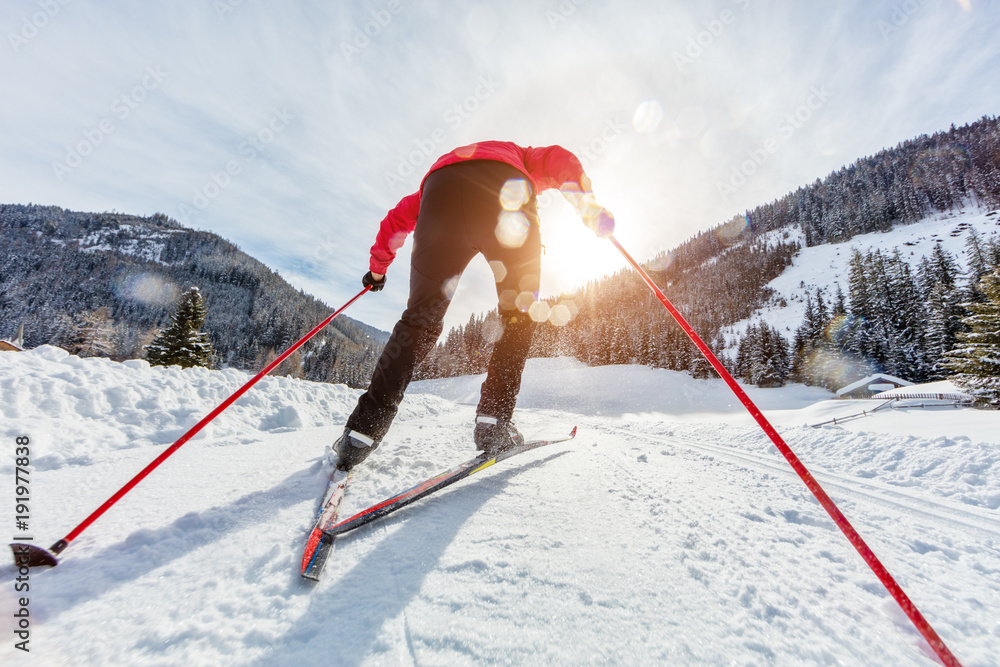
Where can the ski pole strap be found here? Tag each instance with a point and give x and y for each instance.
(936, 643)
(73, 534)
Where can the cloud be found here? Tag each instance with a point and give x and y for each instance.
(366, 86)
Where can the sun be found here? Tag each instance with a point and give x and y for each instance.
(572, 254)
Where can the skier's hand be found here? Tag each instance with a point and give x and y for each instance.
(374, 280)
(600, 221)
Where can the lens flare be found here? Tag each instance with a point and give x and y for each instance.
(647, 117)
(662, 262)
(841, 327)
(730, 232)
(499, 270)
(508, 299)
(539, 311)
(514, 194)
(835, 370)
(149, 288)
(528, 282)
(512, 229)
(560, 315)
(525, 300)
(449, 287)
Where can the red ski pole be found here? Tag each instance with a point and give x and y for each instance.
(838, 517)
(31, 555)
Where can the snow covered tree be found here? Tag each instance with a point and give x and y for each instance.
(976, 359)
(182, 343)
(839, 304)
(811, 345)
(772, 368)
(905, 315)
(978, 265)
(92, 334)
(762, 357)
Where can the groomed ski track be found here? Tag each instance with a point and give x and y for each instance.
(649, 539)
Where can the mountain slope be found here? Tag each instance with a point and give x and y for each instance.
(61, 268)
(825, 266)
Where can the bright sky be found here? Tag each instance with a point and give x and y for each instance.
(290, 128)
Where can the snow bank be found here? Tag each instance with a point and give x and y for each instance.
(80, 410)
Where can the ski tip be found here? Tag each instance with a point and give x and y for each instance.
(28, 555)
(572, 433)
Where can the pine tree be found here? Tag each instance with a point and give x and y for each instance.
(745, 352)
(182, 343)
(976, 251)
(906, 319)
(768, 365)
(976, 359)
(839, 303)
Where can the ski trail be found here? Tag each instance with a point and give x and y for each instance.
(945, 555)
(974, 518)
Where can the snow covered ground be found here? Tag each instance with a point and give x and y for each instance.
(822, 266)
(669, 532)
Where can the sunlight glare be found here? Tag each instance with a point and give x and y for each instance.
(647, 117)
(512, 229)
(731, 232)
(560, 315)
(539, 311)
(499, 270)
(514, 194)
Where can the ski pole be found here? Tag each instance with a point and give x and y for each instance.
(31, 555)
(838, 517)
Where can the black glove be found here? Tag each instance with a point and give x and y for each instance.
(601, 223)
(369, 281)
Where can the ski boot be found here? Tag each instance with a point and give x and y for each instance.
(352, 448)
(494, 437)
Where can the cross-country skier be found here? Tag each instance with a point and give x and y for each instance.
(476, 199)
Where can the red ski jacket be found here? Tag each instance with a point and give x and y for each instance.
(546, 167)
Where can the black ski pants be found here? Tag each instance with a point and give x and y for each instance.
(461, 215)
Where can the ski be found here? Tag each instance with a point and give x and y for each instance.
(318, 545)
(436, 483)
(320, 541)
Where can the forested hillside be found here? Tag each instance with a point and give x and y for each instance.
(896, 317)
(101, 284)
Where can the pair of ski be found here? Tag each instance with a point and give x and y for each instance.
(319, 544)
